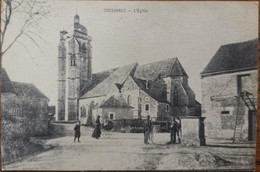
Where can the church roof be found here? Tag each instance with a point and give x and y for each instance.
(108, 85)
(111, 81)
(80, 28)
(233, 57)
(165, 68)
(27, 89)
(96, 79)
(6, 84)
(142, 85)
(115, 103)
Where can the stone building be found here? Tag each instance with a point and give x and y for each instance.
(229, 92)
(74, 63)
(34, 108)
(159, 89)
(23, 106)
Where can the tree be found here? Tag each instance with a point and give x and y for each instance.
(27, 13)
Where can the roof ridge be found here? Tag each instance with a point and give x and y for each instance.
(233, 57)
(234, 43)
(159, 61)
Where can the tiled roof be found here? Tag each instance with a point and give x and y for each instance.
(165, 68)
(6, 84)
(115, 103)
(96, 79)
(28, 90)
(233, 57)
(108, 85)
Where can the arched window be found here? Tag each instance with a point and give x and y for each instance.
(129, 101)
(175, 96)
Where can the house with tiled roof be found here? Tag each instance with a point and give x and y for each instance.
(229, 92)
(25, 104)
(159, 89)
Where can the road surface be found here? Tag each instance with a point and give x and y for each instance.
(126, 151)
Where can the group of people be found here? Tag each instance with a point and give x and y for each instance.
(96, 133)
(175, 128)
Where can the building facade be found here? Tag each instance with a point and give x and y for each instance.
(24, 108)
(74, 69)
(159, 89)
(229, 92)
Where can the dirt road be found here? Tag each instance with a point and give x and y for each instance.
(126, 151)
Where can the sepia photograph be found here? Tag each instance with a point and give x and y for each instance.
(128, 85)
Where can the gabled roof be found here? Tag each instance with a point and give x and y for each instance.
(108, 85)
(26, 89)
(6, 84)
(233, 57)
(142, 85)
(165, 68)
(115, 103)
(96, 79)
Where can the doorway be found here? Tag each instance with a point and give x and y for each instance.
(251, 125)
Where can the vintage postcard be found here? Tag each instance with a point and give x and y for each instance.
(128, 85)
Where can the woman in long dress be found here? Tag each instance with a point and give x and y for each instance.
(97, 132)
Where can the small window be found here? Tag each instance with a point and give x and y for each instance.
(72, 63)
(147, 107)
(111, 116)
(167, 108)
(146, 98)
(224, 112)
(140, 100)
(129, 101)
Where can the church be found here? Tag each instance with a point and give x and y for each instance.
(159, 89)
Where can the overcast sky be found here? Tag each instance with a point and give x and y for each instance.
(191, 31)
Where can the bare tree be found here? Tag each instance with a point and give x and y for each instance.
(29, 13)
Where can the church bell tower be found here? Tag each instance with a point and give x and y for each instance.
(75, 71)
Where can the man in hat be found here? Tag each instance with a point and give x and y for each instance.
(77, 132)
(147, 129)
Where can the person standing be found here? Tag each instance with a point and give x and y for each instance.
(147, 129)
(97, 132)
(77, 132)
(179, 132)
(151, 135)
(174, 128)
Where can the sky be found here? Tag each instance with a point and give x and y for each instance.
(190, 31)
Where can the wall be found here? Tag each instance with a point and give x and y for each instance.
(89, 104)
(144, 99)
(218, 94)
(131, 90)
(190, 131)
(31, 114)
(120, 113)
(163, 114)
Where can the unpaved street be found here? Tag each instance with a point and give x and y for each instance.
(126, 151)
